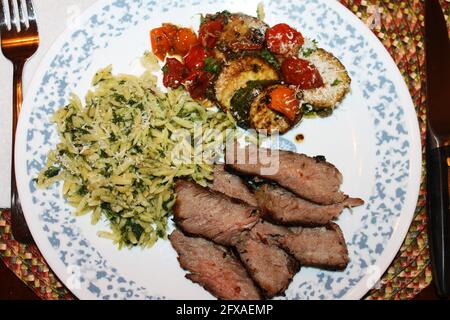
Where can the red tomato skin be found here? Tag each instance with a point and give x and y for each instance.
(284, 100)
(301, 73)
(195, 58)
(197, 83)
(284, 40)
(174, 73)
(184, 40)
(160, 43)
(209, 33)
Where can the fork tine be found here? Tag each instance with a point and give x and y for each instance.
(31, 15)
(12, 15)
(3, 22)
(22, 15)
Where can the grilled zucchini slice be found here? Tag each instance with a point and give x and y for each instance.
(242, 32)
(262, 117)
(243, 98)
(235, 75)
(336, 81)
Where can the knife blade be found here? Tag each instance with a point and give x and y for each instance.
(437, 46)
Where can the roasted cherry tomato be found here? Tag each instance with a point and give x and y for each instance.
(170, 30)
(195, 59)
(184, 40)
(197, 83)
(301, 73)
(284, 40)
(174, 73)
(209, 33)
(163, 39)
(284, 100)
(160, 43)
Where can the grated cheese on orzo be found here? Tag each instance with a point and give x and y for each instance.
(121, 151)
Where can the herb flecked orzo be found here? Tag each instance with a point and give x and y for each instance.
(120, 153)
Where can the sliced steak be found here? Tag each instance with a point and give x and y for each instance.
(212, 215)
(214, 267)
(319, 247)
(269, 233)
(313, 179)
(269, 266)
(283, 207)
(232, 186)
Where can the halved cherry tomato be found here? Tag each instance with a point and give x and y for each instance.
(195, 59)
(284, 40)
(160, 43)
(170, 30)
(197, 83)
(185, 39)
(209, 33)
(301, 73)
(284, 100)
(174, 73)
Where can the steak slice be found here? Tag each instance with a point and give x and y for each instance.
(319, 247)
(283, 207)
(232, 186)
(268, 265)
(313, 179)
(269, 233)
(212, 215)
(214, 267)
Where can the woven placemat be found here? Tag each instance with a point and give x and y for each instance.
(399, 25)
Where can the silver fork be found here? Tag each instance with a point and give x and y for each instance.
(19, 41)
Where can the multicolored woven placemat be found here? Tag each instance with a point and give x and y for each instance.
(399, 25)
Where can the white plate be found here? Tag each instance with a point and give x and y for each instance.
(373, 138)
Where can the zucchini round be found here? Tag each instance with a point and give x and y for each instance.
(237, 73)
(261, 117)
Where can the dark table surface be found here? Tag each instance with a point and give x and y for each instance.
(11, 288)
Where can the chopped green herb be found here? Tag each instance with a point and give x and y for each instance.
(308, 50)
(242, 99)
(81, 130)
(309, 111)
(112, 137)
(336, 82)
(134, 227)
(116, 118)
(270, 58)
(83, 191)
(161, 233)
(109, 213)
(52, 172)
(119, 97)
(212, 65)
(202, 19)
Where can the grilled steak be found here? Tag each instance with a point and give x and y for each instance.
(269, 233)
(214, 267)
(271, 267)
(283, 207)
(319, 247)
(313, 179)
(212, 215)
(232, 186)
